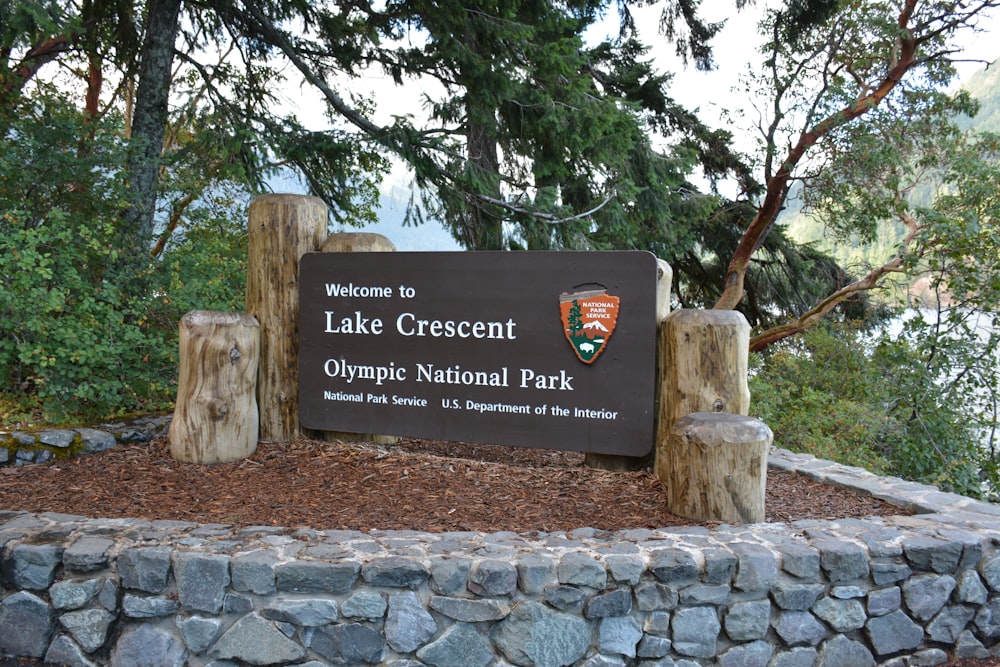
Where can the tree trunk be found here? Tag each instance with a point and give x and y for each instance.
(215, 418)
(716, 467)
(704, 357)
(664, 281)
(149, 122)
(282, 228)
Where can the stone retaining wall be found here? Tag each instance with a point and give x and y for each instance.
(22, 447)
(892, 591)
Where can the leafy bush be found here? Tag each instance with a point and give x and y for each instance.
(87, 332)
(866, 401)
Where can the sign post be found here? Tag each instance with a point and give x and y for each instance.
(532, 349)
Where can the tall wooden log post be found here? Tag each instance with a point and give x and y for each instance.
(358, 242)
(615, 462)
(716, 467)
(704, 356)
(215, 418)
(281, 229)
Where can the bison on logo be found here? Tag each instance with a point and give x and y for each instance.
(588, 321)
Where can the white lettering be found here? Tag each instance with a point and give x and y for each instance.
(407, 324)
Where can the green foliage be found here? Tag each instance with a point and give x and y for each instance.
(83, 334)
(872, 401)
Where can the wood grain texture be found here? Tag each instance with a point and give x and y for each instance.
(715, 468)
(704, 359)
(216, 418)
(281, 229)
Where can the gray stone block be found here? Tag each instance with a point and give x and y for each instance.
(652, 596)
(577, 569)
(253, 572)
(926, 594)
(757, 568)
(839, 651)
(674, 566)
(28, 623)
(256, 641)
(198, 632)
(461, 645)
(57, 437)
(534, 573)
(395, 572)
(144, 645)
(63, 651)
(108, 595)
(493, 578)
(799, 628)
(842, 561)
(748, 621)
(566, 598)
(301, 612)
(135, 606)
(800, 656)
(968, 646)
(613, 603)
(364, 604)
(348, 643)
(702, 594)
(31, 567)
(535, 635)
(95, 441)
(799, 560)
(651, 646)
(625, 569)
(949, 624)
(449, 575)
(720, 566)
(619, 635)
(889, 573)
(408, 626)
(695, 631)
(657, 623)
(469, 611)
(317, 577)
(841, 615)
(931, 554)
(89, 627)
(87, 554)
(144, 569)
(893, 633)
(71, 594)
(201, 581)
(796, 597)
(970, 589)
(884, 601)
(754, 654)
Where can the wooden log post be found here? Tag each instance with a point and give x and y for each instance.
(615, 462)
(281, 229)
(715, 467)
(704, 357)
(215, 417)
(358, 242)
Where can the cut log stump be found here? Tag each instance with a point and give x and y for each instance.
(215, 418)
(715, 468)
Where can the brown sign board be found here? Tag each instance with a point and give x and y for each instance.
(532, 349)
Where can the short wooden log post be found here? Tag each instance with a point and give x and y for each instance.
(704, 359)
(715, 468)
(615, 462)
(281, 229)
(215, 417)
(358, 242)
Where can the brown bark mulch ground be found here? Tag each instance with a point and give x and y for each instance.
(415, 484)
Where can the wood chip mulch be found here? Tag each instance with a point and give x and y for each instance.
(415, 484)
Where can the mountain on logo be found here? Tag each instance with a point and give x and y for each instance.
(588, 319)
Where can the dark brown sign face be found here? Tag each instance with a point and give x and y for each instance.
(533, 349)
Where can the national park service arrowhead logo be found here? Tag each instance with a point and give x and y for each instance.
(588, 319)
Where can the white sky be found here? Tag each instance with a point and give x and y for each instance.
(709, 93)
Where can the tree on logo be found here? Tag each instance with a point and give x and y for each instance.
(575, 321)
